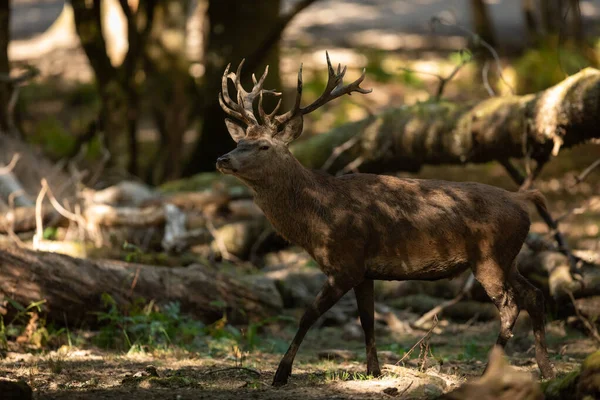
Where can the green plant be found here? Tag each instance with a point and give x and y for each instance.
(144, 326)
(17, 324)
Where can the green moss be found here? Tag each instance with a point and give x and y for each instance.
(592, 361)
(538, 69)
(561, 388)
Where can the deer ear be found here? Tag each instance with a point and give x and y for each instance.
(237, 132)
(292, 130)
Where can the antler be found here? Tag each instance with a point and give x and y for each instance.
(243, 108)
(334, 89)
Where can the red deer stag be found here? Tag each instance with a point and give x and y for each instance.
(362, 227)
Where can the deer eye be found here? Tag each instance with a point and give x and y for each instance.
(264, 147)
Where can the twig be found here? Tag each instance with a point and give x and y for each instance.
(352, 166)
(468, 285)
(579, 209)
(425, 337)
(220, 244)
(11, 165)
(339, 150)
(477, 39)
(39, 218)
(584, 174)
(31, 72)
(59, 208)
(584, 321)
(400, 394)
(250, 370)
(443, 79)
(134, 282)
(532, 176)
(484, 76)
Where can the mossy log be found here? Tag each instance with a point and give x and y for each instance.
(408, 137)
(72, 288)
(582, 384)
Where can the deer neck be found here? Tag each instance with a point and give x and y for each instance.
(289, 198)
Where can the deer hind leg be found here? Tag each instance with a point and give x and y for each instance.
(532, 299)
(330, 293)
(366, 310)
(493, 278)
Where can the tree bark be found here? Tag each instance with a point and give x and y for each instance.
(233, 34)
(72, 288)
(170, 87)
(406, 138)
(117, 86)
(4, 67)
(482, 22)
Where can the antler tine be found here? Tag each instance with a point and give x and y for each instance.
(228, 110)
(268, 118)
(230, 107)
(284, 118)
(335, 88)
(225, 90)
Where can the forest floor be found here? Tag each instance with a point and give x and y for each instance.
(458, 352)
(331, 362)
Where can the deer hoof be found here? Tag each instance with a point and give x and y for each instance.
(282, 375)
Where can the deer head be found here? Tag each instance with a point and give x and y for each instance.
(262, 145)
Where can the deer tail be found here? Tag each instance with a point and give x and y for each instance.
(534, 196)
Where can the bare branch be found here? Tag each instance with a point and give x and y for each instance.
(584, 174)
(59, 208)
(443, 79)
(11, 165)
(339, 150)
(477, 39)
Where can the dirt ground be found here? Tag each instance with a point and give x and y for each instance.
(458, 352)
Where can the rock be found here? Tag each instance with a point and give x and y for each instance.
(15, 390)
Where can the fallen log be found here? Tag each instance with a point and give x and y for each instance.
(22, 219)
(405, 138)
(72, 288)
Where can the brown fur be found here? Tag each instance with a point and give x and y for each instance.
(363, 227)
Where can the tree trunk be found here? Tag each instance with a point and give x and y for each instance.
(113, 99)
(482, 22)
(529, 7)
(72, 288)
(406, 138)
(234, 33)
(170, 87)
(4, 67)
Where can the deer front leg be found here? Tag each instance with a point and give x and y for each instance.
(330, 293)
(366, 310)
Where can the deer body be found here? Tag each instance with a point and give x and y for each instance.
(391, 228)
(364, 227)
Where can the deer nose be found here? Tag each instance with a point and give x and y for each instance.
(223, 159)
